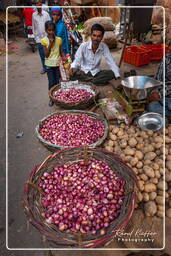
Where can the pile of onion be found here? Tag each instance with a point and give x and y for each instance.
(82, 196)
(73, 95)
(72, 130)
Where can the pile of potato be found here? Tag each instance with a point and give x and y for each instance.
(143, 152)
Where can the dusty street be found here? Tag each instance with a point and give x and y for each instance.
(27, 103)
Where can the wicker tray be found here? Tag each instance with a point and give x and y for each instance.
(53, 147)
(75, 105)
(60, 239)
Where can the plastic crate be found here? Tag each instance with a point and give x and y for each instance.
(137, 56)
(156, 50)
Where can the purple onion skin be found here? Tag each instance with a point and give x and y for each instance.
(72, 201)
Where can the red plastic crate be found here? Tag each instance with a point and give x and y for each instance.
(156, 50)
(136, 56)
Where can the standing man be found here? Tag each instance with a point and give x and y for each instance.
(86, 65)
(39, 19)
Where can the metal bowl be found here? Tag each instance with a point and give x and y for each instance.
(150, 121)
(137, 87)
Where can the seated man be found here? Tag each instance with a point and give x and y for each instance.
(157, 104)
(86, 65)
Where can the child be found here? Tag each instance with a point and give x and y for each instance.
(52, 48)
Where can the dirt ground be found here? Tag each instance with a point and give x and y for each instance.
(27, 102)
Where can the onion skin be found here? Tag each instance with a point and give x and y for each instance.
(73, 95)
(71, 130)
(73, 200)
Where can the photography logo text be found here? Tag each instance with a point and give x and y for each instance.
(135, 235)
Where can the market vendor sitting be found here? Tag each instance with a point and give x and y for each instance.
(157, 100)
(86, 65)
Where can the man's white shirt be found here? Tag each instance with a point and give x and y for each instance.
(87, 60)
(38, 23)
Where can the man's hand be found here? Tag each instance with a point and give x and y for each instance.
(71, 72)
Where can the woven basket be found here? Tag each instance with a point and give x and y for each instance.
(60, 239)
(53, 147)
(75, 105)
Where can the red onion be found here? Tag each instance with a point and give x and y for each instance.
(71, 130)
(75, 203)
(73, 95)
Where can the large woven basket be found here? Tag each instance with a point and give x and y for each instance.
(53, 147)
(75, 105)
(60, 239)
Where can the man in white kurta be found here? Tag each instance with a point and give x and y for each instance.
(86, 65)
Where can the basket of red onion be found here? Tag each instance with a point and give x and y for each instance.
(72, 128)
(80, 96)
(79, 197)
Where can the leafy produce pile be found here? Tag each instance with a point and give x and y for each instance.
(72, 95)
(82, 196)
(71, 129)
(143, 151)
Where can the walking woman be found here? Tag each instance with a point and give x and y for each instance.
(60, 28)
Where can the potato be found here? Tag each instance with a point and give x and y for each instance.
(140, 184)
(160, 214)
(123, 126)
(145, 197)
(166, 150)
(134, 161)
(160, 192)
(168, 165)
(143, 177)
(159, 200)
(139, 165)
(111, 127)
(150, 133)
(160, 208)
(168, 176)
(155, 166)
(158, 139)
(144, 135)
(147, 162)
(128, 158)
(150, 187)
(168, 213)
(108, 148)
(152, 195)
(167, 139)
(161, 184)
(158, 145)
(115, 130)
(159, 161)
(149, 156)
(168, 158)
(139, 196)
(131, 130)
(166, 195)
(161, 170)
(110, 143)
(139, 145)
(132, 142)
(150, 208)
(139, 154)
(149, 171)
(112, 137)
(129, 151)
(154, 180)
(120, 133)
(123, 143)
(148, 148)
(170, 203)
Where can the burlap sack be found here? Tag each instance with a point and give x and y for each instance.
(110, 39)
(106, 22)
